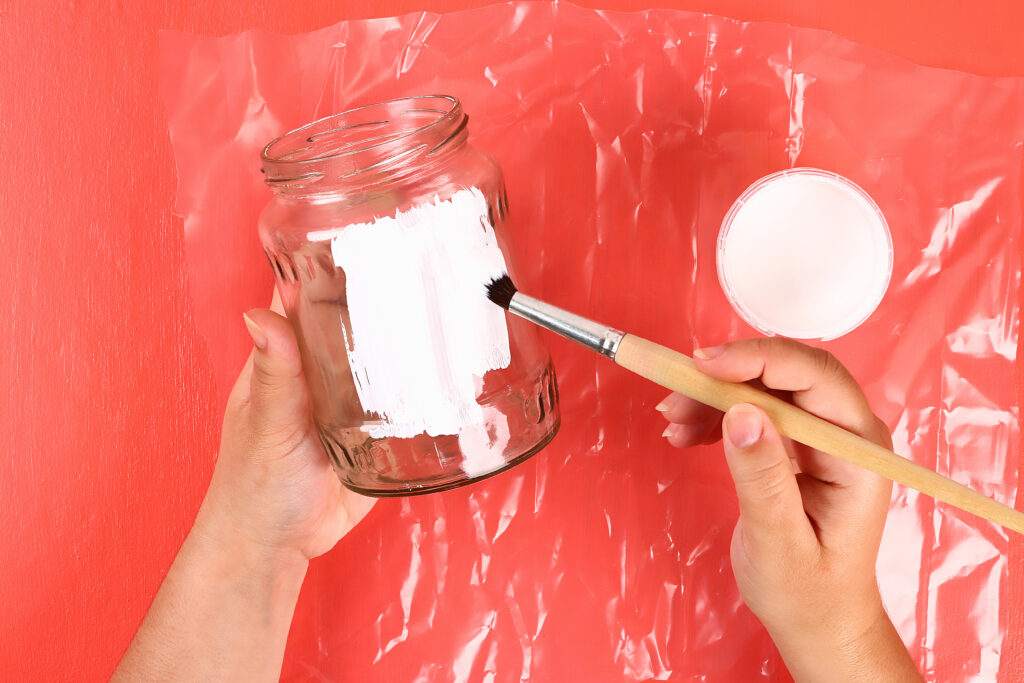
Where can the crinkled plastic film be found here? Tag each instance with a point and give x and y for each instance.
(624, 139)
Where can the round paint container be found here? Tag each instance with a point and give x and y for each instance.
(804, 253)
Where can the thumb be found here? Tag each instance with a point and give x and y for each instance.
(771, 509)
(278, 398)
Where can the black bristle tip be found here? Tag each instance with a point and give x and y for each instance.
(501, 290)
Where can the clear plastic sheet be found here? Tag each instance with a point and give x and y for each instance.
(624, 139)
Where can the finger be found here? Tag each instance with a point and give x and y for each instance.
(356, 507)
(276, 305)
(819, 384)
(684, 436)
(278, 402)
(772, 513)
(240, 391)
(845, 517)
(714, 435)
(681, 409)
(239, 395)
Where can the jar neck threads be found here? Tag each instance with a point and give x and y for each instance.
(366, 146)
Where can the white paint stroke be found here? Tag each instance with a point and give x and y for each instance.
(422, 331)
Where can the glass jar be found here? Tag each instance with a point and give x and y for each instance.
(384, 229)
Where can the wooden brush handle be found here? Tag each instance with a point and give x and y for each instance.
(678, 372)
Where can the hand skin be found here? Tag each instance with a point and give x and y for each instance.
(804, 548)
(224, 609)
(803, 551)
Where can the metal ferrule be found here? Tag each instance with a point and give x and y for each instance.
(601, 338)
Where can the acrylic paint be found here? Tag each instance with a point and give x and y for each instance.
(422, 333)
(805, 254)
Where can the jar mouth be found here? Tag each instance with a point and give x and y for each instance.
(365, 141)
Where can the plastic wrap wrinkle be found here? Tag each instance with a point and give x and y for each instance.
(624, 138)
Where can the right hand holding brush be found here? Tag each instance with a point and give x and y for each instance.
(804, 549)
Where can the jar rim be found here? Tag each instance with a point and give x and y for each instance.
(362, 139)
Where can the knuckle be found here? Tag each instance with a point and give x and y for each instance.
(268, 441)
(880, 433)
(780, 352)
(764, 346)
(772, 484)
(782, 345)
(825, 363)
(765, 482)
(265, 383)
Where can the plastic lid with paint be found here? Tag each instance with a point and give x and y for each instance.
(804, 253)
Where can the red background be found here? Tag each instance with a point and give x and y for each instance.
(110, 394)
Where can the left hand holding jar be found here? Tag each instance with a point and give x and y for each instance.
(273, 484)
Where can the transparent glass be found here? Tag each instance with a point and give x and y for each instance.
(359, 167)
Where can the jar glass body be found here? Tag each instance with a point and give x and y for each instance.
(403, 171)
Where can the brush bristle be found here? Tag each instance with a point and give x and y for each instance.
(501, 290)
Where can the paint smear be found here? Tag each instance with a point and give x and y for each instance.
(483, 445)
(422, 331)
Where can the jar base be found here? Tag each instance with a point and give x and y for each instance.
(518, 420)
(421, 489)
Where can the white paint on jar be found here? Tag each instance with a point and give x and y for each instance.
(483, 445)
(805, 253)
(422, 332)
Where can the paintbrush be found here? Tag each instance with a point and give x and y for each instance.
(678, 372)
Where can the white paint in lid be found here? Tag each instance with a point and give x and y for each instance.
(805, 253)
(422, 331)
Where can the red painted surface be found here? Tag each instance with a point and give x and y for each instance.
(109, 415)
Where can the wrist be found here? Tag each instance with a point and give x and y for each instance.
(224, 608)
(219, 528)
(822, 616)
(852, 643)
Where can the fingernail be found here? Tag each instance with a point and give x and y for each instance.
(669, 431)
(259, 337)
(666, 404)
(709, 353)
(744, 426)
